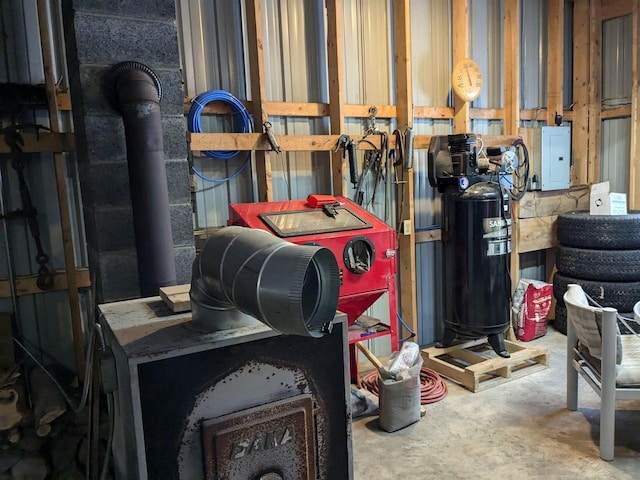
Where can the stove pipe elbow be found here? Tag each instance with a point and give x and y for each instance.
(242, 274)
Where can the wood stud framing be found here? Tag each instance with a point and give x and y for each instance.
(460, 18)
(580, 126)
(511, 62)
(595, 88)
(555, 56)
(586, 114)
(258, 95)
(61, 188)
(404, 100)
(634, 173)
(336, 92)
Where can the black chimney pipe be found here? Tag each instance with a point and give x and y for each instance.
(134, 90)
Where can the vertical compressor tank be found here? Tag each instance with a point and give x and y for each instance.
(476, 238)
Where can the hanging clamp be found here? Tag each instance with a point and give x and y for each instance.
(349, 149)
(271, 138)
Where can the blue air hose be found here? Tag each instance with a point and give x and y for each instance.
(242, 122)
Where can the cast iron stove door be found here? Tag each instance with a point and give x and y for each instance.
(275, 441)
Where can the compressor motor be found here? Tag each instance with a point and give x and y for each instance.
(477, 186)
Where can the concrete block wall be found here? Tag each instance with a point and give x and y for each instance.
(98, 35)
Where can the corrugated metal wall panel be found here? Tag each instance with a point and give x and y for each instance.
(431, 64)
(213, 45)
(295, 70)
(368, 73)
(486, 49)
(533, 53)
(616, 90)
(44, 319)
(615, 153)
(616, 61)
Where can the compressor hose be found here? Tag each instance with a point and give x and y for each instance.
(242, 122)
(432, 387)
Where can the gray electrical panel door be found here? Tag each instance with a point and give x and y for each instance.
(555, 157)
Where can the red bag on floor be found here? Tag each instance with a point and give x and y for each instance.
(531, 304)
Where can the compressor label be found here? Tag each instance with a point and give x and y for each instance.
(497, 232)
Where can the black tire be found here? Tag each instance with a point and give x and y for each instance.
(619, 295)
(608, 265)
(560, 322)
(582, 230)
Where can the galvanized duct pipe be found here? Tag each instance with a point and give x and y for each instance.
(134, 90)
(243, 273)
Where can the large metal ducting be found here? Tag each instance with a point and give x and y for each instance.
(134, 90)
(243, 274)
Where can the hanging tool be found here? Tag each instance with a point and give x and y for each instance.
(349, 148)
(14, 140)
(374, 160)
(271, 138)
(402, 153)
(402, 156)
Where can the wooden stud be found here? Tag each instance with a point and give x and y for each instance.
(555, 202)
(404, 106)
(429, 236)
(336, 90)
(420, 111)
(595, 86)
(536, 233)
(48, 56)
(258, 95)
(460, 14)
(44, 143)
(555, 56)
(486, 113)
(63, 101)
(511, 62)
(580, 125)
(257, 141)
(26, 285)
(512, 67)
(634, 174)
(616, 112)
(306, 143)
(617, 8)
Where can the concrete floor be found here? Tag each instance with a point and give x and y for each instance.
(517, 430)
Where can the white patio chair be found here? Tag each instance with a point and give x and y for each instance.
(608, 361)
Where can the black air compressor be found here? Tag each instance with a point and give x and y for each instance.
(476, 234)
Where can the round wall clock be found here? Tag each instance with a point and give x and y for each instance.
(467, 80)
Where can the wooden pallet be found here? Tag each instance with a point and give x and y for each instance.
(476, 366)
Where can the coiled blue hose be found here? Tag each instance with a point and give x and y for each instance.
(242, 122)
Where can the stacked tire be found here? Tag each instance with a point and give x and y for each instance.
(601, 253)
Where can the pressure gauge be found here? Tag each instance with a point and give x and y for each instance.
(467, 80)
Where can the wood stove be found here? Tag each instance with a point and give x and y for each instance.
(247, 403)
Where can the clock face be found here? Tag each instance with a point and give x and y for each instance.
(467, 80)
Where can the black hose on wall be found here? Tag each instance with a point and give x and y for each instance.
(134, 91)
(292, 288)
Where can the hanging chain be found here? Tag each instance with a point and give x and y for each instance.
(14, 140)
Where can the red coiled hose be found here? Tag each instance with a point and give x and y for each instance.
(432, 387)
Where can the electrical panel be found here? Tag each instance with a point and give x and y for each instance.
(549, 157)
